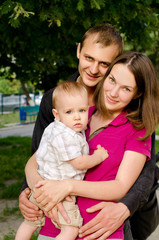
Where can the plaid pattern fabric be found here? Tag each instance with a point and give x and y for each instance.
(58, 145)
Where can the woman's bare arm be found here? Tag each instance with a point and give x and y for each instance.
(50, 192)
(32, 176)
(129, 170)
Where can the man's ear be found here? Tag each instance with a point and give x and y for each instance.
(78, 50)
(55, 113)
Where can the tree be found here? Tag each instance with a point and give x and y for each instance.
(38, 39)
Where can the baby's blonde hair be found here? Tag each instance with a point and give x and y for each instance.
(71, 88)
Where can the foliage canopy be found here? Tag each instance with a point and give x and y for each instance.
(38, 39)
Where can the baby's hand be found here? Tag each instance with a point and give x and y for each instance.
(101, 153)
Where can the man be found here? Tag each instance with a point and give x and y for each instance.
(98, 48)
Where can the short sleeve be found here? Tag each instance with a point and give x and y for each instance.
(137, 145)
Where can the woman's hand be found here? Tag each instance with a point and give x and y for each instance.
(53, 214)
(107, 221)
(48, 193)
(29, 210)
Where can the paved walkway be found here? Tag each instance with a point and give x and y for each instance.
(17, 129)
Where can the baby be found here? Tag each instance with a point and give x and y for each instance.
(63, 153)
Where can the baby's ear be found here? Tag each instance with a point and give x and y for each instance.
(55, 113)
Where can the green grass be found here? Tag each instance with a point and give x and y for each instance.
(14, 153)
(11, 236)
(157, 146)
(157, 130)
(9, 118)
(7, 213)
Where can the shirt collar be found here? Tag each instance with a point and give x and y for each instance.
(119, 120)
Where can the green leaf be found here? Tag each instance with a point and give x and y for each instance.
(14, 23)
(80, 5)
(95, 4)
(7, 7)
(58, 22)
(44, 44)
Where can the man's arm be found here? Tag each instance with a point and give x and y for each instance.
(24, 185)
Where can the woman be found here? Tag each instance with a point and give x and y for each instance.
(125, 115)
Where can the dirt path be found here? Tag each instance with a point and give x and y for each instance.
(8, 223)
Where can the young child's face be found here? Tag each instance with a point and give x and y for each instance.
(72, 110)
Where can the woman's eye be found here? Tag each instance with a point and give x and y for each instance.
(127, 89)
(111, 80)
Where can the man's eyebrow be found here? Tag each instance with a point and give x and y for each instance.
(88, 55)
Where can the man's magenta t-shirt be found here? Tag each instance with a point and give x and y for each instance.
(118, 137)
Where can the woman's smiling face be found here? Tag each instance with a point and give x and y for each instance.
(119, 88)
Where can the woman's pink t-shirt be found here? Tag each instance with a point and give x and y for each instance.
(118, 137)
